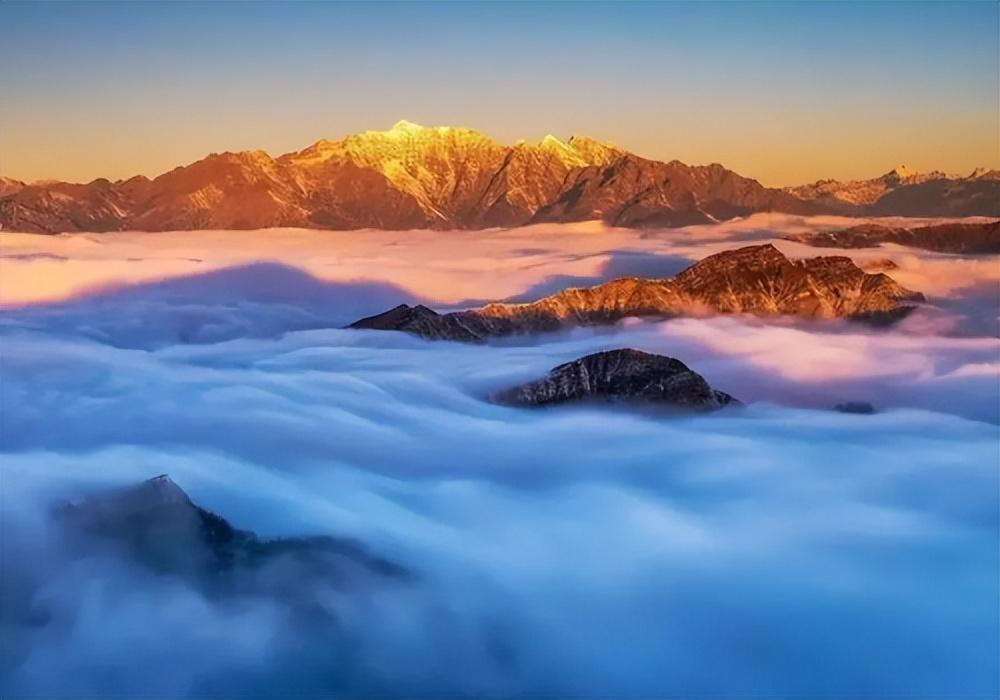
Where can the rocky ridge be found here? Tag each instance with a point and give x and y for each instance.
(755, 279)
(625, 375)
(902, 192)
(960, 238)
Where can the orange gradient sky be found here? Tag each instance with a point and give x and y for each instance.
(786, 93)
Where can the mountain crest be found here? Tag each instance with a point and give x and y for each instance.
(160, 490)
(755, 279)
(405, 127)
(595, 152)
(900, 172)
(414, 176)
(621, 375)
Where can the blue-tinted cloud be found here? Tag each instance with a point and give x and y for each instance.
(782, 550)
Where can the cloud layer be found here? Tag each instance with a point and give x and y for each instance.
(779, 550)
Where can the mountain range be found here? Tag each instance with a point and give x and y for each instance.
(980, 238)
(754, 279)
(412, 176)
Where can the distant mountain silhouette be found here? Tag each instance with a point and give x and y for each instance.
(454, 178)
(901, 192)
(965, 238)
(156, 525)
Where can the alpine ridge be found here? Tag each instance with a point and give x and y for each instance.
(412, 176)
(963, 238)
(755, 279)
(902, 192)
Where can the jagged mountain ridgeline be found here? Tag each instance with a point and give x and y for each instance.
(902, 192)
(962, 238)
(755, 279)
(419, 177)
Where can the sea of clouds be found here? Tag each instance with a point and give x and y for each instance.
(781, 549)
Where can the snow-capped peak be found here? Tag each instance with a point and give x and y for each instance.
(403, 126)
(550, 141)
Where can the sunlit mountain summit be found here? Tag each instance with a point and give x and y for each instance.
(412, 176)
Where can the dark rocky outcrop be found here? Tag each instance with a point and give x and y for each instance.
(156, 525)
(965, 238)
(755, 279)
(624, 375)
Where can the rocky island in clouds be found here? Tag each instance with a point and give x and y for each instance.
(445, 412)
(752, 280)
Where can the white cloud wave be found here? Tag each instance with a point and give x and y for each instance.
(573, 552)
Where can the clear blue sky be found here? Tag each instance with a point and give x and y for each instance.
(785, 92)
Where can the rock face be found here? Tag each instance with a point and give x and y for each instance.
(156, 525)
(417, 177)
(755, 279)
(638, 193)
(621, 375)
(973, 238)
(901, 192)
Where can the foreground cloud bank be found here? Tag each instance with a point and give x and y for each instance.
(781, 550)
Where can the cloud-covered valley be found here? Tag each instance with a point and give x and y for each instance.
(781, 549)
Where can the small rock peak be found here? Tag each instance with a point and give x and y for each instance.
(164, 489)
(623, 374)
(984, 174)
(396, 318)
(562, 150)
(624, 360)
(898, 174)
(765, 252)
(405, 127)
(139, 497)
(581, 140)
(622, 352)
(594, 151)
(550, 141)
